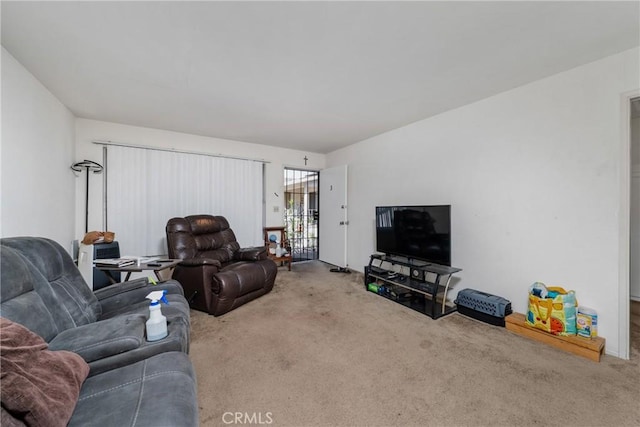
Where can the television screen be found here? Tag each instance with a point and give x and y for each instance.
(416, 232)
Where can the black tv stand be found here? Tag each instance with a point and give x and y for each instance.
(423, 288)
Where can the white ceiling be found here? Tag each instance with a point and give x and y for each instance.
(314, 76)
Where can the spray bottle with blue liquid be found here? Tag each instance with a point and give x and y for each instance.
(157, 323)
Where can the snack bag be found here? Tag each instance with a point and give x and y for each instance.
(93, 237)
(552, 309)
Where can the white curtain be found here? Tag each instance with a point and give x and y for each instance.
(147, 187)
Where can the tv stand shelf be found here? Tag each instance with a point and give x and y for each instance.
(423, 288)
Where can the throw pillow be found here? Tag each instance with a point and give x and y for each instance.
(39, 386)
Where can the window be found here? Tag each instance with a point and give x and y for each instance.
(147, 187)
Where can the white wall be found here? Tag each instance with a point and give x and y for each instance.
(278, 158)
(38, 140)
(532, 175)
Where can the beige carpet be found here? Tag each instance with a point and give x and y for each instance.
(321, 351)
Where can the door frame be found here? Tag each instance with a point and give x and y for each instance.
(624, 229)
(291, 237)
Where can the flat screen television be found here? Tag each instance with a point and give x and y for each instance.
(416, 232)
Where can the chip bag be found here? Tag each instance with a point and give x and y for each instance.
(552, 309)
(93, 237)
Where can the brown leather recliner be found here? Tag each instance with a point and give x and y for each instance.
(216, 274)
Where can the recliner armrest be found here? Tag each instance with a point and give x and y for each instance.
(118, 288)
(114, 297)
(251, 254)
(102, 339)
(198, 262)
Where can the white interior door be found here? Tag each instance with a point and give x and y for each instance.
(333, 216)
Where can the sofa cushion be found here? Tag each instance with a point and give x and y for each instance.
(39, 386)
(52, 269)
(201, 236)
(159, 391)
(103, 339)
(22, 303)
(55, 265)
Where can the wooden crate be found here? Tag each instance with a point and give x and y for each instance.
(591, 348)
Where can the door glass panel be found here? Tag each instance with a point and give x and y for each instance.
(301, 213)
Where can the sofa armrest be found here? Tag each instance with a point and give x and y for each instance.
(199, 262)
(119, 288)
(251, 254)
(102, 339)
(116, 296)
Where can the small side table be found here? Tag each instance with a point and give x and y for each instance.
(282, 260)
(157, 266)
(272, 236)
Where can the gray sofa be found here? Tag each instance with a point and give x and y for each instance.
(42, 289)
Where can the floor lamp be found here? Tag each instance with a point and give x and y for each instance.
(90, 166)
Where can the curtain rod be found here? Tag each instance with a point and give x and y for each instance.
(173, 150)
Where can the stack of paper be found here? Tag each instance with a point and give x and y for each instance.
(139, 259)
(114, 262)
